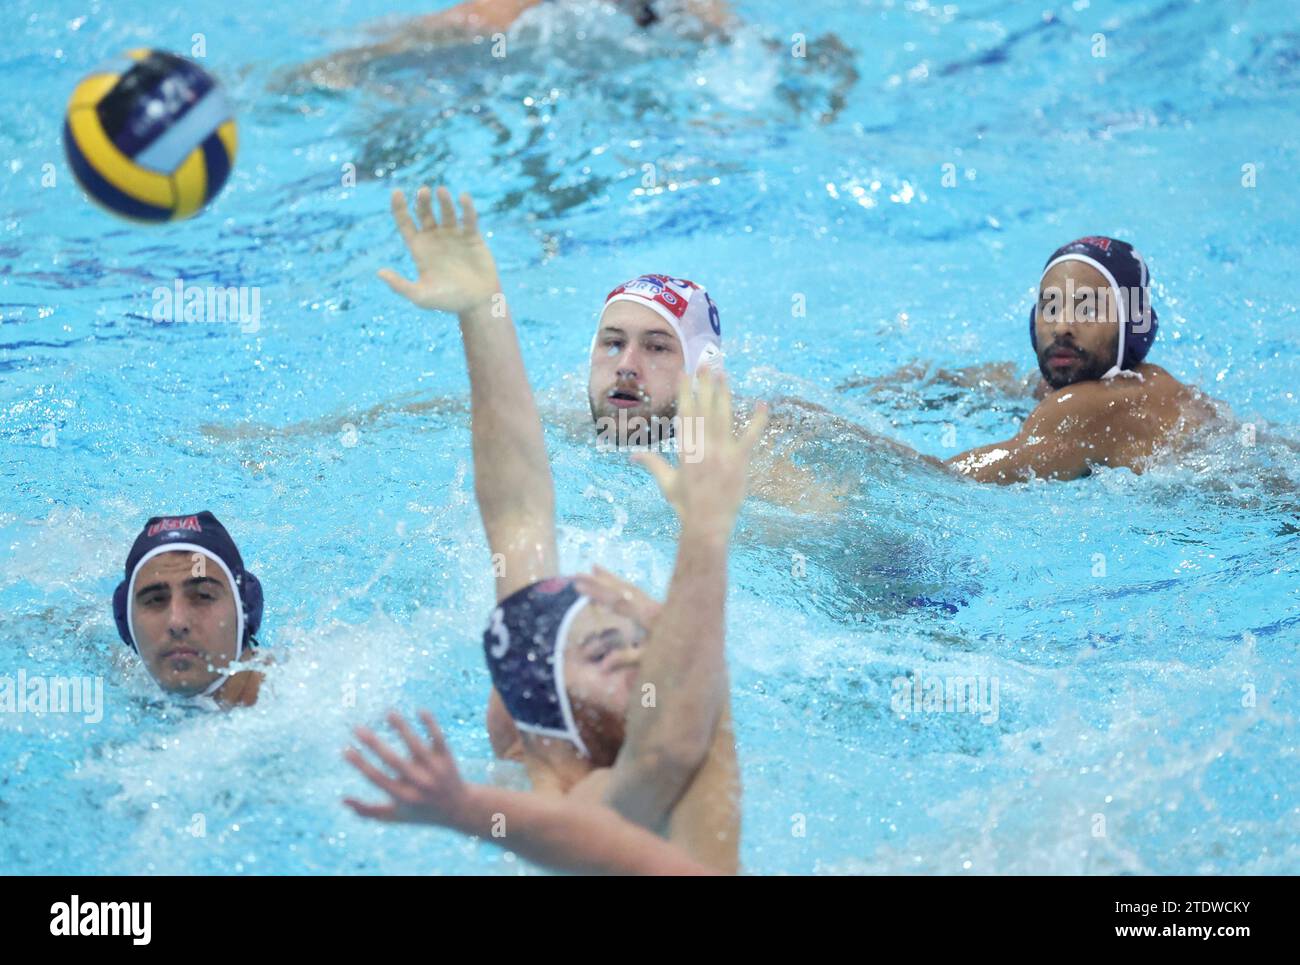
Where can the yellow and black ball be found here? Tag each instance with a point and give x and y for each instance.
(150, 137)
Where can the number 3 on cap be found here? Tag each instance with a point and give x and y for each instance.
(498, 630)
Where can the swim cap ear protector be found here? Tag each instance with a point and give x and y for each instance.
(199, 533)
(524, 647)
(686, 307)
(1125, 271)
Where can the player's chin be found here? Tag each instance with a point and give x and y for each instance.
(607, 413)
(1059, 378)
(189, 684)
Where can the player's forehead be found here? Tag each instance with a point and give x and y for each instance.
(178, 567)
(1078, 274)
(594, 619)
(635, 320)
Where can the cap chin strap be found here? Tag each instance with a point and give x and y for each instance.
(234, 588)
(562, 691)
(1118, 368)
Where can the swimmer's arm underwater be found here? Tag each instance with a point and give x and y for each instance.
(1071, 430)
(557, 832)
(872, 439)
(460, 24)
(1001, 376)
(341, 424)
(512, 475)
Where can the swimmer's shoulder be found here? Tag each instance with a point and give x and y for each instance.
(1184, 401)
(1099, 407)
(1158, 377)
(1112, 394)
(1079, 398)
(1148, 407)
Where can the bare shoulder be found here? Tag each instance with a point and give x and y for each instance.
(1127, 417)
(1157, 381)
(1154, 387)
(1078, 401)
(1193, 404)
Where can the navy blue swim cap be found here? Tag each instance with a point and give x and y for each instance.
(524, 647)
(199, 533)
(1126, 272)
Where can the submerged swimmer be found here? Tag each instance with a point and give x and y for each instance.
(190, 609)
(668, 765)
(481, 19)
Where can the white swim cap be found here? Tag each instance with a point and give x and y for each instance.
(685, 306)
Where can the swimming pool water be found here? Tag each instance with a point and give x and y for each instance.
(1142, 630)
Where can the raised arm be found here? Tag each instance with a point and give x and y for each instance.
(671, 740)
(557, 832)
(512, 476)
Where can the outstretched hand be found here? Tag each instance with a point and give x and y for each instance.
(455, 269)
(708, 484)
(427, 788)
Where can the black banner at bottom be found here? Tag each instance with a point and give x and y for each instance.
(335, 914)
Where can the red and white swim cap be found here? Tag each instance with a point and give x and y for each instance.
(685, 306)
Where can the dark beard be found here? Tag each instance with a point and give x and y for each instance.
(1088, 368)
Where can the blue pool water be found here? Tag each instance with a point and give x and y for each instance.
(1142, 630)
